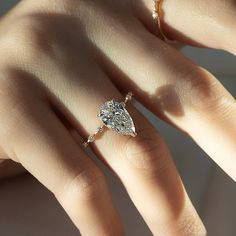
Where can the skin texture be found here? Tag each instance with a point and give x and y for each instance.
(60, 60)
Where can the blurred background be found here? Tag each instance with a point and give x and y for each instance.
(27, 208)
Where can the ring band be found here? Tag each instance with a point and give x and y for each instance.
(114, 116)
(157, 16)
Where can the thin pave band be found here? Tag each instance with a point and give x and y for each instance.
(157, 16)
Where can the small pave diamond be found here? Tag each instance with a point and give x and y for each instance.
(114, 115)
(100, 129)
(128, 97)
(91, 138)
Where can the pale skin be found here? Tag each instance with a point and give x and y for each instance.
(60, 60)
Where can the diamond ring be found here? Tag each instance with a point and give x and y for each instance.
(114, 116)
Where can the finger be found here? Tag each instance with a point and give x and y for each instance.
(143, 163)
(3, 155)
(200, 23)
(48, 152)
(175, 89)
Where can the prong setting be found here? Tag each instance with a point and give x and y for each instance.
(114, 116)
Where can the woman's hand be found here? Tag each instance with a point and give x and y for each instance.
(60, 60)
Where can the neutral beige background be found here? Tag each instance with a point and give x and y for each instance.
(28, 209)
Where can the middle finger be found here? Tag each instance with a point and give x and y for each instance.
(172, 86)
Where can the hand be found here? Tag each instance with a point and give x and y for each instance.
(60, 61)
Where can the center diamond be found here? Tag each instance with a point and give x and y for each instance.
(114, 115)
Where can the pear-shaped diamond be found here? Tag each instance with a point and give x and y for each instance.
(114, 115)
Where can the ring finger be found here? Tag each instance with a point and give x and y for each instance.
(143, 163)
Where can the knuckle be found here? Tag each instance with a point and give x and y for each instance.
(17, 90)
(190, 224)
(25, 42)
(146, 152)
(199, 89)
(10, 87)
(18, 99)
(11, 101)
(85, 186)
